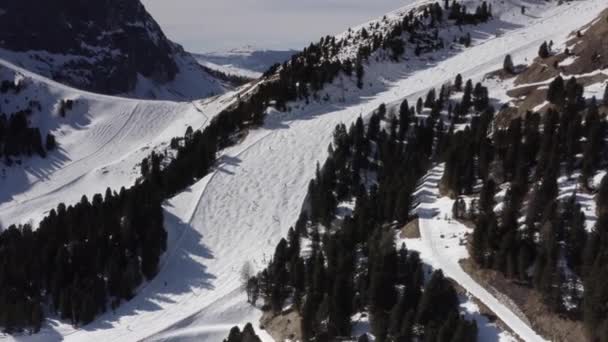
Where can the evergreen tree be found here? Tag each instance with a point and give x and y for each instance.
(419, 105)
(50, 142)
(556, 92)
(404, 119)
(507, 65)
(543, 51)
(458, 83)
(360, 71)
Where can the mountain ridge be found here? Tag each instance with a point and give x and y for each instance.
(110, 47)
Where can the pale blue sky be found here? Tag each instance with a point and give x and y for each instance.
(211, 25)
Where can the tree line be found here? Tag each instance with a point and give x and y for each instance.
(18, 138)
(306, 73)
(247, 335)
(538, 237)
(80, 258)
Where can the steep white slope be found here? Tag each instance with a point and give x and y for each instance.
(239, 212)
(101, 141)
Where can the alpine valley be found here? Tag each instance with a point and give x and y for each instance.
(437, 174)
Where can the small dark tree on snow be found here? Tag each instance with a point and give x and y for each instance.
(605, 99)
(360, 71)
(459, 209)
(466, 40)
(507, 65)
(430, 98)
(65, 106)
(543, 51)
(458, 82)
(51, 143)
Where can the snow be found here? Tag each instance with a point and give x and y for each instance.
(595, 90)
(487, 331)
(101, 141)
(597, 179)
(540, 106)
(568, 61)
(361, 325)
(240, 211)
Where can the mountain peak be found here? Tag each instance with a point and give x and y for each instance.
(103, 46)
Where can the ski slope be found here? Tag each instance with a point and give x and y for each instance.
(101, 141)
(443, 245)
(239, 212)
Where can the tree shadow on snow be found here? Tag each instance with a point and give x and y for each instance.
(16, 179)
(226, 161)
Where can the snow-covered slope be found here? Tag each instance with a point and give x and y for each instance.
(239, 212)
(101, 141)
(246, 62)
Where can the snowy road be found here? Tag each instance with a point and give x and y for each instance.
(443, 246)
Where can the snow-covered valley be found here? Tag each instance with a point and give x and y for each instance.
(240, 211)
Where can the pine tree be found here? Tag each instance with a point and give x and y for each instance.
(360, 71)
(249, 334)
(543, 51)
(430, 99)
(556, 92)
(438, 301)
(235, 335)
(51, 144)
(595, 296)
(458, 83)
(507, 65)
(419, 105)
(404, 119)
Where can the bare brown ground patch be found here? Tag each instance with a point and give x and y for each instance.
(410, 230)
(283, 326)
(527, 304)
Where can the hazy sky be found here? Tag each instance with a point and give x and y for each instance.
(211, 25)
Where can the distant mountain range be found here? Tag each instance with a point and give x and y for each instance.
(244, 62)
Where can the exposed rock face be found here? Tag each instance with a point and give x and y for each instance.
(96, 45)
